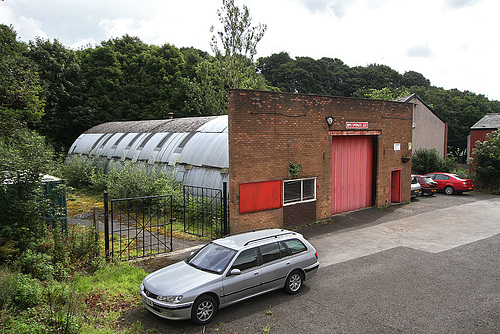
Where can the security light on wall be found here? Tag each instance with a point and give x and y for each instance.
(329, 121)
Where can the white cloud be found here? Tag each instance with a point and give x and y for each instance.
(419, 51)
(30, 27)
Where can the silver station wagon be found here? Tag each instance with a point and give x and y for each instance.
(228, 270)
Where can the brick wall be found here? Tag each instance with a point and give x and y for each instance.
(267, 130)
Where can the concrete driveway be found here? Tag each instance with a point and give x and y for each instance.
(431, 224)
(431, 266)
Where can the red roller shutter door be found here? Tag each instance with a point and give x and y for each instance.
(352, 173)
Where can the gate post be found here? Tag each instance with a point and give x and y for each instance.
(106, 225)
(224, 208)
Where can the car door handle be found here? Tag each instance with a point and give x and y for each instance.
(256, 273)
(287, 263)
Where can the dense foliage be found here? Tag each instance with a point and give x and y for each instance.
(429, 160)
(127, 79)
(486, 162)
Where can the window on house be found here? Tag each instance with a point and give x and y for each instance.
(302, 190)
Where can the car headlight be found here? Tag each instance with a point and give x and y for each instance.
(169, 299)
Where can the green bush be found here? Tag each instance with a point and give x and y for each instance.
(26, 322)
(428, 160)
(132, 179)
(59, 253)
(486, 162)
(463, 173)
(35, 264)
(8, 283)
(18, 290)
(62, 308)
(79, 170)
(24, 157)
(99, 182)
(28, 292)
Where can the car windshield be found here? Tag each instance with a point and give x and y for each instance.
(414, 180)
(213, 258)
(428, 179)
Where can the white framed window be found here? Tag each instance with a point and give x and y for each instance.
(298, 191)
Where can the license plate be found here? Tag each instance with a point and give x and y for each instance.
(433, 190)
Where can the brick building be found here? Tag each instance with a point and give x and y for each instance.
(354, 153)
(489, 123)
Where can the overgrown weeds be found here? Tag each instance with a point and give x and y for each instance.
(73, 305)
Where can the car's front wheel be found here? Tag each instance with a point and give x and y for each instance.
(204, 310)
(293, 282)
(448, 190)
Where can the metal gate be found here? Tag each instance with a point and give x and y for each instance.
(206, 211)
(138, 227)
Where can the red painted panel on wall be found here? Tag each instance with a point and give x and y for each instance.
(259, 196)
(352, 173)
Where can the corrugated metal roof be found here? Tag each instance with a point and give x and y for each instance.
(489, 121)
(198, 145)
(164, 125)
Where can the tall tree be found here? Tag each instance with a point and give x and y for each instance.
(20, 100)
(238, 39)
(64, 91)
(203, 94)
(412, 78)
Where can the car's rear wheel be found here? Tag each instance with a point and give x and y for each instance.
(448, 190)
(294, 282)
(204, 309)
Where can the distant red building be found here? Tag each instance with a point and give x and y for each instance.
(489, 123)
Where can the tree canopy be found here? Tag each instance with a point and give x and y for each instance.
(62, 92)
(20, 89)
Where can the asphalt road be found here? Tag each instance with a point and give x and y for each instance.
(431, 266)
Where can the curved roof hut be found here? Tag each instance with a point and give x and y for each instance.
(197, 146)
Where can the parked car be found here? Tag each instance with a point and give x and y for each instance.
(415, 187)
(428, 185)
(229, 270)
(451, 183)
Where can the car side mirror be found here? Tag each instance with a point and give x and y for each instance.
(235, 272)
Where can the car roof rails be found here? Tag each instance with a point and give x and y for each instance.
(268, 237)
(254, 230)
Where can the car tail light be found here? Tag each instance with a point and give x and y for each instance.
(316, 254)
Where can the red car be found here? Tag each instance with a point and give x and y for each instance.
(451, 183)
(428, 185)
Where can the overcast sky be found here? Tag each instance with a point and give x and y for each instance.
(453, 43)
